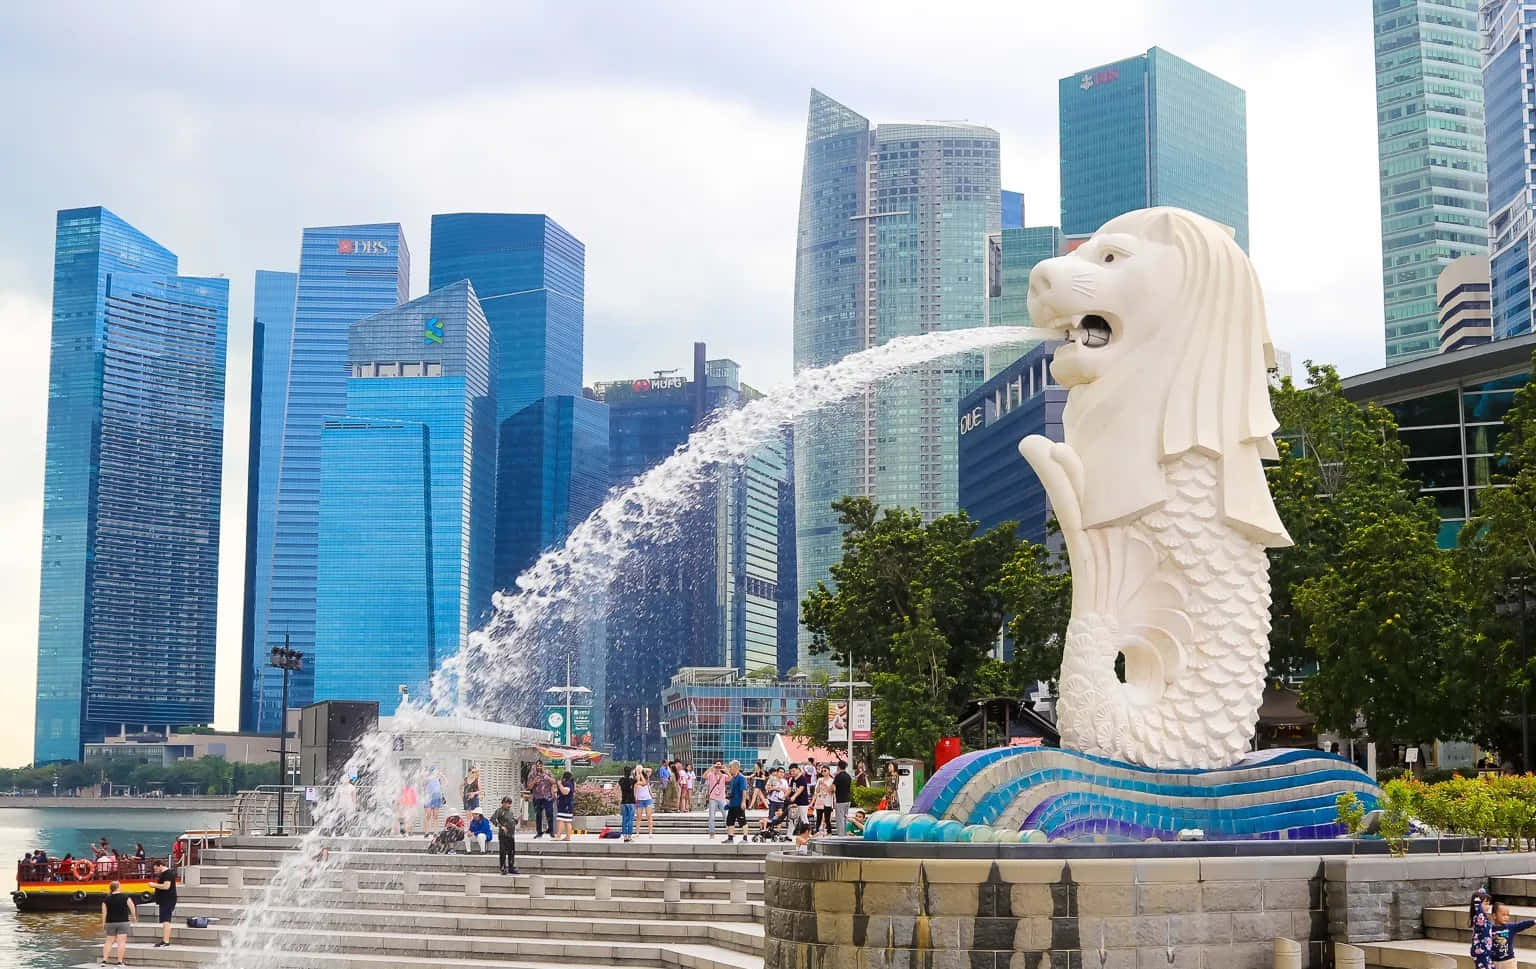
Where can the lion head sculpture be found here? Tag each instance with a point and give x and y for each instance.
(1168, 351)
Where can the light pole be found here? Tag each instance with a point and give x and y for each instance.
(289, 661)
(568, 690)
(850, 683)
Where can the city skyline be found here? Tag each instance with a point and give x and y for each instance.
(683, 197)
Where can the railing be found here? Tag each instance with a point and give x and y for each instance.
(256, 810)
(103, 869)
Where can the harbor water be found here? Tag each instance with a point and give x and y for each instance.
(53, 940)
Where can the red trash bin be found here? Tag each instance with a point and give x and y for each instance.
(946, 750)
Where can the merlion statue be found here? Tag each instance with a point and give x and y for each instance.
(1159, 488)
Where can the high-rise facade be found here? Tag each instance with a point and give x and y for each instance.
(271, 341)
(1462, 293)
(710, 592)
(1508, 32)
(407, 487)
(894, 220)
(530, 275)
(1152, 129)
(345, 273)
(1011, 256)
(131, 491)
(554, 473)
(1433, 170)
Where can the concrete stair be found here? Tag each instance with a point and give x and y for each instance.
(364, 917)
(1418, 953)
(1448, 934)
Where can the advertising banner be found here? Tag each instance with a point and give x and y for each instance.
(861, 722)
(578, 733)
(840, 719)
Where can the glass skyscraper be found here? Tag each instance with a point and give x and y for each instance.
(1152, 130)
(894, 220)
(553, 457)
(1012, 255)
(345, 273)
(407, 483)
(530, 275)
(271, 340)
(128, 606)
(1433, 170)
(1508, 30)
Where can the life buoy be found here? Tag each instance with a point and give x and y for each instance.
(146, 897)
(83, 870)
(80, 896)
(18, 897)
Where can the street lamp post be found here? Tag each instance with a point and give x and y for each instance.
(850, 683)
(568, 690)
(289, 661)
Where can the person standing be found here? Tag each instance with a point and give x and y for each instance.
(471, 790)
(117, 914)
(1503, 935)
(892, 786)
(757, 797)
(565, 806)
(801, 783)
(505, 823)
(1480, 920)
(432, 817)
(735, 805)
(663, 779)
(685, 778)
(541, 787)
(861, 775)
(165, 901)
(627, 804)
(842, 785)
(716, 783)
(645, 800)
(405, 808)
(825, 800)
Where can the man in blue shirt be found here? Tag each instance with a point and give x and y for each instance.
(735, 805)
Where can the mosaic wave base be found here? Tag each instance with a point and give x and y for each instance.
(1048, 794)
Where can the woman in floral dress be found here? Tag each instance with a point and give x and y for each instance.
(1480, 918)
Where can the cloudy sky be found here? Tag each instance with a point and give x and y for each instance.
(667, 136)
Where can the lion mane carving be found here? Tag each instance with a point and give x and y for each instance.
(1159, 488)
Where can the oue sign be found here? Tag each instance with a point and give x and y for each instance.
(971, 420)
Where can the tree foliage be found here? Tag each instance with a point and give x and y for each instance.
(1340, 468)
(913, 696)
(1036, 586)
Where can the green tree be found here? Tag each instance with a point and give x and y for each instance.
(1387, 622)
(811, 725)
(1341, 468)
(1036, 587)
(899, 574)
(913, 706)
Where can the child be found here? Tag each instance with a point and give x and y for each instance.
(1504, 932)
(802, 839)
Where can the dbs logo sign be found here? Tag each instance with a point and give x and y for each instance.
(362, 247)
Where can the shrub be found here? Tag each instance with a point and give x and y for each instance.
(866, 798)
(593, 801)
(1397, 799)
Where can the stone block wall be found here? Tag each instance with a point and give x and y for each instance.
(1375, 899)
(954, 913)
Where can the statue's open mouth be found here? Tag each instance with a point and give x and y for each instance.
(1089, 330)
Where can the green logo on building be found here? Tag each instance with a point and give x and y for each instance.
(433, 333)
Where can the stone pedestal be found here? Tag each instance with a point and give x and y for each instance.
(1025, 909)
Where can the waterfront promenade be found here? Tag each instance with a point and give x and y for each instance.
(221, 803)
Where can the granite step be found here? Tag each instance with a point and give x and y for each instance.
(743, 864)
(1417, 953)
(1451, 923)
(739, 936)
(446, 895)
(332, 948)
(705, 888)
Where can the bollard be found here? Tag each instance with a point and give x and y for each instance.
(236, 878)
(349, 880)
(191, 876)
(738, 892)
(471, 884)
(602, 888)
(1287, 954)
(1348, 957)
(535, 886)
(410, 882)
(671, 890)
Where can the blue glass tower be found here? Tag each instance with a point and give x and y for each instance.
(1509, 59)
(345, 273)
(1152, 130)
(131, 492)
(421, 379)
(530, 275)
(272, 338)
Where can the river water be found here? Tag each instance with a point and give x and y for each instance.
(54, 940)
